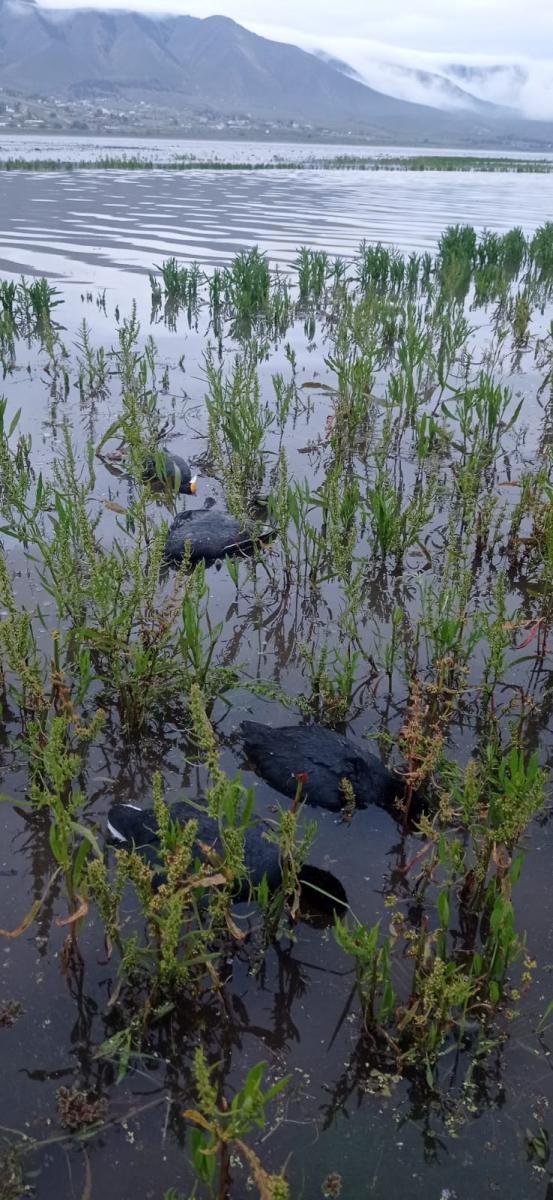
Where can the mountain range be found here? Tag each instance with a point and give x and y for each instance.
(193, 67)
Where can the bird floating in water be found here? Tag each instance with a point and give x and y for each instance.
(132, 827)
(322, 759)
(165, 467)
(210, 533)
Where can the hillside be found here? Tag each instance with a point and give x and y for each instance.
(192, 67)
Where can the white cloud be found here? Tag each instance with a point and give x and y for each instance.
(493, 27)
(519, 82)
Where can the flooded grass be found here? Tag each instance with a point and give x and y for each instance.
(338, 162)
(388, 419)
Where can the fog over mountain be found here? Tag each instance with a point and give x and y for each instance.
(438, 78)
(213, 69)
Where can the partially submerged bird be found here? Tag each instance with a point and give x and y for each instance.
(322, 759)
(211, 533)
(165, 467)
(130, 827)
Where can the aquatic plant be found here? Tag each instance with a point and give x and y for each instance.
(312, 268)
(93, 380)
(344, 162)
(238, 424)
(220, 1127)
(541, 248)
(406, 598)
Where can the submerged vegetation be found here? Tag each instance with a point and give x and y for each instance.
(376, 413)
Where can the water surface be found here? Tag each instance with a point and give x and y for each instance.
(95, 229)
(78, 148)
(89, 231)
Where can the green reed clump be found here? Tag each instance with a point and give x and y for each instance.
(489, 249)
(514, 250)
(239, 421)
(26, 310)
(180, 283)
(469, 874)
(458, 241)
(8, 296)
(285, 398)
(397, 525)
(541, 248)
(520, 318)
(140, 643)
(490, 283)
(373, 969)
(312, 267)
(139, 425)
(498, 637)
(21, 664)
(93, 366)
(484, 414)
(499, 798)
(55, 744)
(247, 284)
(407, 386)
(451, 632)
(455, 260)
(332, 676)
(301, 535)
(181, 287)
(90, 588)
(175, 953)
(42, 298)
(378, 268)
(354, 412)
(430, 436)
(185, 888)
(411, 1030)
(294, 842)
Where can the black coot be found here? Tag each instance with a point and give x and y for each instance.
(165, 466)
(131, 826)
(210, 533)
(325, 757)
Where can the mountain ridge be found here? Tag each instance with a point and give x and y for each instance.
(193, 66)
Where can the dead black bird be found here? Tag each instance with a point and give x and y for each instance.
(130, 826)
(210, 533)
(322, 759)
(165, 467)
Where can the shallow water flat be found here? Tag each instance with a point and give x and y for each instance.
(385, 1136)
(78, 149)
(88, 227)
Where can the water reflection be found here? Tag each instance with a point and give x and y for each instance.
(296, 1007)
(80, 228)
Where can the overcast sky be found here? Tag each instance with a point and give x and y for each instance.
(468, 27)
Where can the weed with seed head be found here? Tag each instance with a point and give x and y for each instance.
(220, 1127)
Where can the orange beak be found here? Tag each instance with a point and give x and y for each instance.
(193, 486)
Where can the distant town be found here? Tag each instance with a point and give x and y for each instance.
(97, 116)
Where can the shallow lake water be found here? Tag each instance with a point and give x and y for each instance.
(78, 148)
(92, 229)
(97, 237)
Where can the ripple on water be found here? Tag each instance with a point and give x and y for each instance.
(210, 216)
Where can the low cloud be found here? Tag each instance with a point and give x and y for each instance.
(442, 80)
